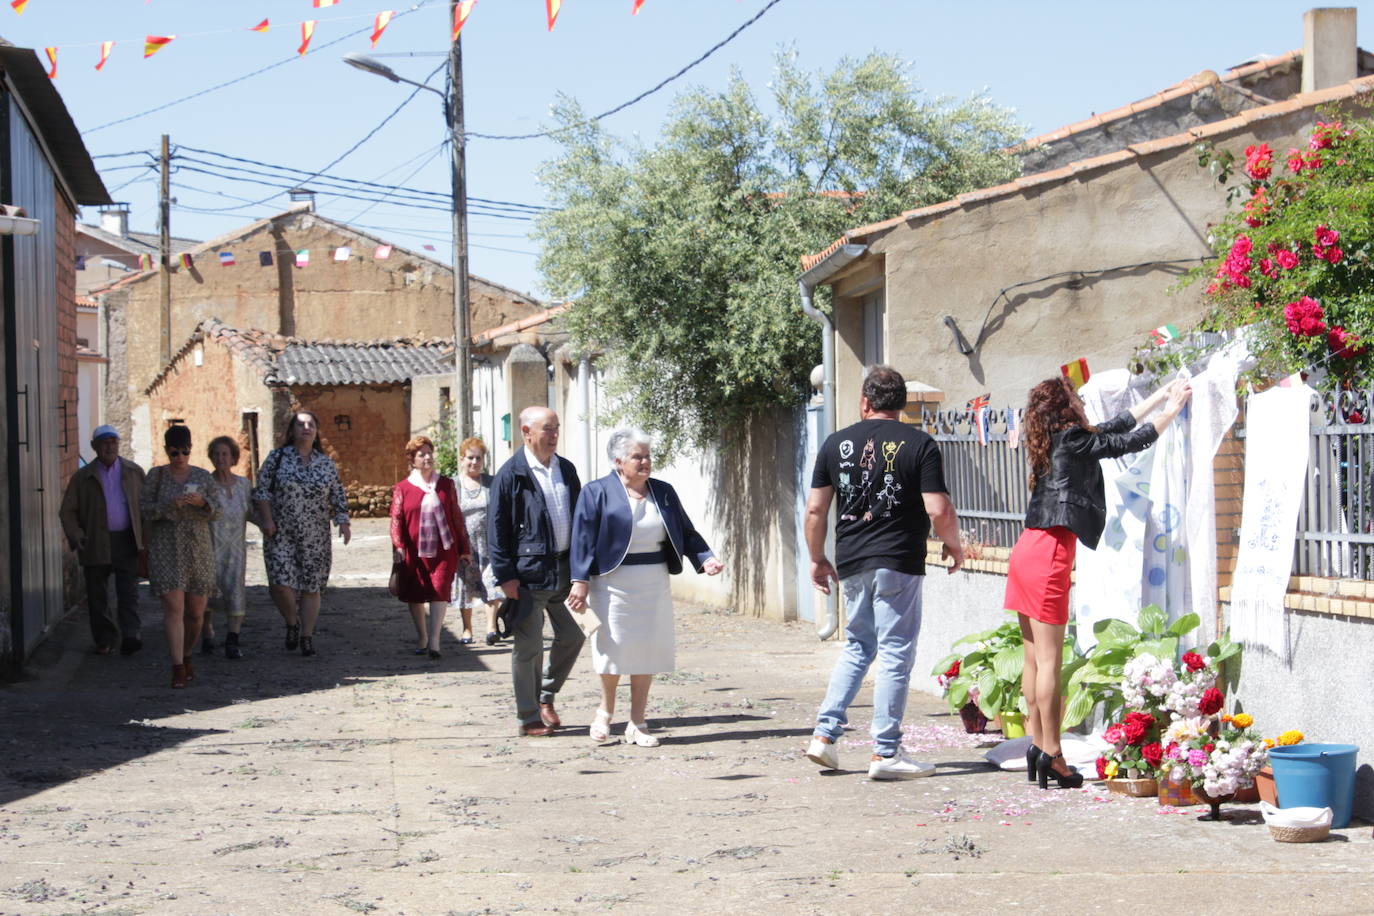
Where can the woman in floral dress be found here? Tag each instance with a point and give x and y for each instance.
(227, 534)
(178, 503)
(297, 495)
(475, 586)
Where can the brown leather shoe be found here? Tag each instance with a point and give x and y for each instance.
(548, 716)
(535, 731)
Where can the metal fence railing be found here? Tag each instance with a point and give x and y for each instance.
(1334, 525)
(987, 483)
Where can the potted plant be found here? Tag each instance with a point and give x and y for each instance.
(1219, 759)
(1129, 767)
(987, 674)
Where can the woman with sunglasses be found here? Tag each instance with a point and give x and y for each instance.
(297, 495)
(178, 503)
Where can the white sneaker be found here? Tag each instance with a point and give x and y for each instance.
(898, 766)
(823, 753)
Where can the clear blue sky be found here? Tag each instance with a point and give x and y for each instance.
(1054, 63)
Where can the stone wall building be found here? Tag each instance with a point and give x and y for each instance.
(355, 287)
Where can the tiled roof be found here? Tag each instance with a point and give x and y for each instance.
(291, 361)
(1300, 102)
(523, 324)
(136, 242)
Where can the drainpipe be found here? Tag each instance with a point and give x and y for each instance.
(819, 273)
(584, 406)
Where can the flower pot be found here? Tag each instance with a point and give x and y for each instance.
(1247, 796)
(1013, 724)
(1176, 792)
(1214, 800)
(1267, 788)
(1136, 788)
(974, 720)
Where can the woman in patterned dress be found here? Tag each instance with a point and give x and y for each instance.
(297, 495)
(178, 502)
(475, 584)
(227, 534)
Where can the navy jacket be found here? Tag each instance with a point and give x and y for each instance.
(602, 526)
(1072, 493)
(519, 534)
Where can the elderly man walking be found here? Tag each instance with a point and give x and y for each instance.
(529, 532)
(891, 490)
(100, 517)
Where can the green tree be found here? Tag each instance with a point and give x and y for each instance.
(682, 257)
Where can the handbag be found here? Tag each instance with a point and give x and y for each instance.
(397, 581)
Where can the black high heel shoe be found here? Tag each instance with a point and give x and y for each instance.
(1045, 769)
(293, 636)
(1032, 763)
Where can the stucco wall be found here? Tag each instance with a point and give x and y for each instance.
(1156, 209)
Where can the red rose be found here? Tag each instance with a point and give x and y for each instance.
(1101, 767)
(953, 670)
(1286, 259)
(1259, 161)
(1343, 343)
(1325, 237)
(1209, 747)
(1194, 661)
(1304, 317)
(1152, 753)
(1134, 731)
(1211, 701)
(1295, 161)
(1354, 417)
(1334, 255)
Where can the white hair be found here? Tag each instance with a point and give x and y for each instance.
(624, 439)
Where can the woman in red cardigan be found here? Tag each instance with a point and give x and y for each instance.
(429, 536)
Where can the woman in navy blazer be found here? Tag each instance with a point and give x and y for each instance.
(629, 534)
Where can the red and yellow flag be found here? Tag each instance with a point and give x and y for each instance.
(553, 6)
(1076, 372)
(154, 43)
(261, 26)
(105, 48)
(52, 59)
(461, 12)
(18, 6)
(321, 4)
(307, 33)
(380, 23)
(638, 4)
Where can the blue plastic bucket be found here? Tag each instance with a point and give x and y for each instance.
(1316, 776)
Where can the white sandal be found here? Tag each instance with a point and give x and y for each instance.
(639, 735)
(600, 729)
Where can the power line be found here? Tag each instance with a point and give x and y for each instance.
(238, 79)
(639, 98)
(442, 147)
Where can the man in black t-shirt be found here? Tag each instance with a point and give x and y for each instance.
(891, 493)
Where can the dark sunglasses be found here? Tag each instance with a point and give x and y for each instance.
(173, 452)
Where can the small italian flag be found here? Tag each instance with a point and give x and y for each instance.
(303, 258)
(1162, 335)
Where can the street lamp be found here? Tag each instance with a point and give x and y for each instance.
(453, 117)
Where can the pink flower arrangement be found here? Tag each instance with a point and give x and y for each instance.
(1304, 317)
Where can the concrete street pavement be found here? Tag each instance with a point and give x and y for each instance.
(372, 781)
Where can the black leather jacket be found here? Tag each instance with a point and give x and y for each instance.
(519, 534)
(1072, 493)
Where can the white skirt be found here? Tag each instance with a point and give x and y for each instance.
(636, 612)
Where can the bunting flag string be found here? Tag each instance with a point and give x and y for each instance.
(342, 253)
(380, 23)
(303, 257)
(261, 26)
(105, 48)
(635, 10)
(321, 4)
(382, 253)
(145, 262)
(154, 43)
(52, 59)
(186, 260)
(461, 12)
(552, 7)
(307, 33)
(226, 259)
(18, 6)
(1013, 427)
(264, 259)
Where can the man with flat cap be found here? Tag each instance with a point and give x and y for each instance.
(101, 520)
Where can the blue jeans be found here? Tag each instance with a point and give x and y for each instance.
(884, 609)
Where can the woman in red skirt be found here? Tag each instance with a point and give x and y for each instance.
(429, 536)
(1068, 504)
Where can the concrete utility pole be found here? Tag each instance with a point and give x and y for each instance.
(164, 219)
(462, 331)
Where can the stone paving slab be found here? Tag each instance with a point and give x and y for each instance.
(372, 781)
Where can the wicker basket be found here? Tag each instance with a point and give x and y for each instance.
(1136, 788)
(1299, 834)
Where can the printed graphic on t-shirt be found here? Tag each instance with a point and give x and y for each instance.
(859, 500)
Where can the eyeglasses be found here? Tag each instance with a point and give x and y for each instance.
(173, 452)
